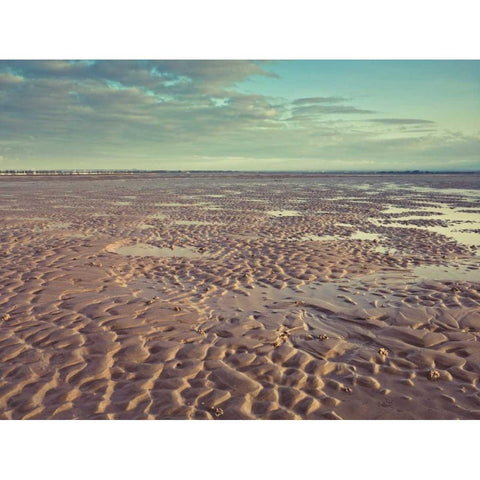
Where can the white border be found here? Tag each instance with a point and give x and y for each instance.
(367, 29)
(239, 450)
(249, 29)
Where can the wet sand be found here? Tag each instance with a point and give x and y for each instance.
(237, 296)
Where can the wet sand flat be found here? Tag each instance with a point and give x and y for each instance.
(240, 296)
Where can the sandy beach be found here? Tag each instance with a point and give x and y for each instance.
(240, 296)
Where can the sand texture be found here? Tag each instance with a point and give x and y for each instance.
(237, 296)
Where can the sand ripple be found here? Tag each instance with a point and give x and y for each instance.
(273, 316)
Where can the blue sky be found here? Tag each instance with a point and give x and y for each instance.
(241, 115)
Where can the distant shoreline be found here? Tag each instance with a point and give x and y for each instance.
(36, 173)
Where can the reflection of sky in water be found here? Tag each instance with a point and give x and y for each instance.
(194, 222)
(284, 213)
(370, 189)
(458, 219)
(445, 273)
(354, 236)
(146, 250)
(176, 204)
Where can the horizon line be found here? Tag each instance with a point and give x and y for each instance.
(108, 171)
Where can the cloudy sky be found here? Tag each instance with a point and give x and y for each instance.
(240, 115)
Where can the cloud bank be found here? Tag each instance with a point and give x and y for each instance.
(187, 114)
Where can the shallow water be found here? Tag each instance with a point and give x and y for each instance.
(177, 204)
(193, 222)
(284, 213)
(365, 236)
(159, 216)
(147, 250)
(459, 220)
(446, 273)
(59, 225)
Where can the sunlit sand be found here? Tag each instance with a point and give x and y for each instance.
(285, 297)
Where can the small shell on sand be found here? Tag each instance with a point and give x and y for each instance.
(217, 411)
(323, 336)
(281, 339)
(433, 375)
(383, 351)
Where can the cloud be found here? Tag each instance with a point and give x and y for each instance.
(401, 121)
(205, 74)
(311, 100)
(152, 113)
(329, 110)
(9, 79)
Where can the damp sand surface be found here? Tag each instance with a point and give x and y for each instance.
(164, 307)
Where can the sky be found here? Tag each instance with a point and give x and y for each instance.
(240, 115)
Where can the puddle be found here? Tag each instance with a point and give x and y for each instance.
(444, 191)
(445, 273)
(386, 250)
(159, 216)
(145, 226)
(208, 207)
(408, 211)
(284, 213)
(176, 204)
(147, 250)
(194, 222)
(353, 236)
(460, 222)
(59, 225)
(121, 203)
(365, 236)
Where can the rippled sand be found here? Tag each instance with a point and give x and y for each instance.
(240, 296)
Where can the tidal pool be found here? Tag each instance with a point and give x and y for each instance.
(284, 213)
(469, 273)
(147, 250)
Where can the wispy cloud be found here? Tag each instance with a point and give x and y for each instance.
(312, 100)
(9, 79)
(401, 121)
(329, 110)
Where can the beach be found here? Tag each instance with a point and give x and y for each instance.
(240, 296)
